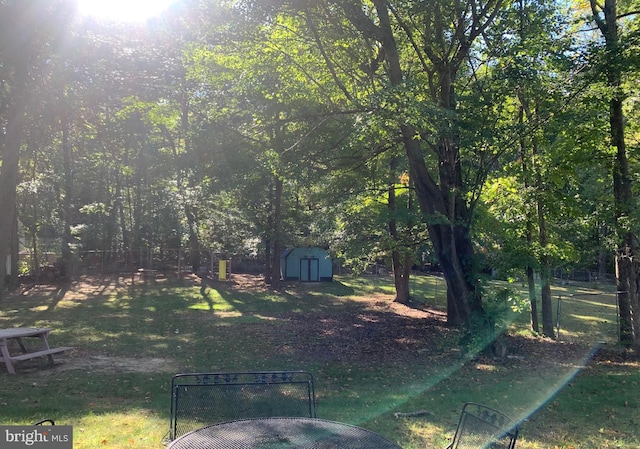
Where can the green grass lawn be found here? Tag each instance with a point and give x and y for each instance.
(371, 359)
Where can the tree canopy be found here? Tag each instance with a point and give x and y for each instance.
(475, 136)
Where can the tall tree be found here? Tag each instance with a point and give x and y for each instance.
(30, 31)
(420, 50)
(275, 108)
(535, 65)
(606, 17)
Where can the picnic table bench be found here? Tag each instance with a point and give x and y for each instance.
(16, 335)
(147, 273)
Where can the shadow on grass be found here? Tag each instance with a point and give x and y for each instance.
(217, 327)
(371, 357)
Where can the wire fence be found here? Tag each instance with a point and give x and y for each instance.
(168, 261)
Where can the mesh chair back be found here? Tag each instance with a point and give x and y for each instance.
(481, 427)
(42, 422)
(200, 399)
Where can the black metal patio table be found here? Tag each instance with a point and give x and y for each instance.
(282, 433)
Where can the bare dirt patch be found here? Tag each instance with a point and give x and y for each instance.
(97, 363)
(117, 364)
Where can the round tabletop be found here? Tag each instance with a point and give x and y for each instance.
(282, 433)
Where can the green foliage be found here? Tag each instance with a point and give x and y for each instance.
(502, 305)
(178, 132)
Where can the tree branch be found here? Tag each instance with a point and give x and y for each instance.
(327, 60)
(414, 44)
(596, 9)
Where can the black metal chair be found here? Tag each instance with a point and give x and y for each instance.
(200, 399)
(481, 427)
(43, 422)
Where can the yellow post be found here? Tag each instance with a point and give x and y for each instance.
(222, 270)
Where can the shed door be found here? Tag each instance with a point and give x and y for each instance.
(309, 270)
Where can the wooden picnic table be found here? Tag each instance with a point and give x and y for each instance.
(16, 335)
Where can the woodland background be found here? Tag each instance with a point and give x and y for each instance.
(483, 138)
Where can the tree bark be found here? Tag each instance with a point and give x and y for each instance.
(122, 216)
(530, 217)
(400, 257)
(277, 232)
(533, 300)
(605, 15)
(15, 253)
(34, 201)
(67, 262)
(194, 240)
(624, 295)
(401, 276)
(545, 268)
(10, 160)
(445, 208)
(634, 299)
(267, 262)
(449, 234)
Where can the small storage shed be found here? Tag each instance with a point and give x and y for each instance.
(311, 264)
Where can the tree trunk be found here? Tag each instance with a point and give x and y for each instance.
(67, 262)
(443, 205)
(15, 253)
(35, 255)
(547, 304)
(126, 240)
(401, 276)
(545, 268)
(194, 240)
(400, 258)
(533, 301)
(605, 15)
(277, 232)
(634, 301)
(626, 253)
(267, 261)
(190, 209)
(530, 216)
(625, 293)
(602, 264)
(447, 223)
(268, 271)
(10, 161)
(545, 274)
